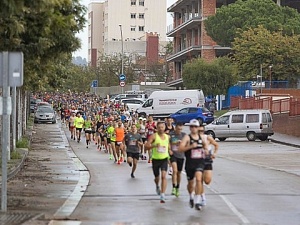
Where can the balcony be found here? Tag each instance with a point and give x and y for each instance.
(185, 53)
(177, 6)
(194, 22)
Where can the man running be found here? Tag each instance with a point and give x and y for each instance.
(195, 150)
(88, 130)
(159, 144)
(133, 140)
(71, 126)
(79, 121)
(150, 130)
(177, 158)
(120, 134)
(207, 174)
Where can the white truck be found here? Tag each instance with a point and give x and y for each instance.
(161, 104)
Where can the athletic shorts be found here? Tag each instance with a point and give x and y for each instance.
(71, 128)
(108, 141)
(88, 131)
(159, 164)
(98, 134)
(67, 117)
(133, 155)
(78, 129)
(93, 131)
(179, 162)
(208, 164)
(144, 139)
(118, 143)
(190, 171)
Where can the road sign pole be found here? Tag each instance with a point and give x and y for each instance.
(5, 130)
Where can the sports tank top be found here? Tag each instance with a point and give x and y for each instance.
(195, 155)
(161, 152)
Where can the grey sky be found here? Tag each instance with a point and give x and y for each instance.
(83, 52)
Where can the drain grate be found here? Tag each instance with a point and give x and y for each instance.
(16, 218)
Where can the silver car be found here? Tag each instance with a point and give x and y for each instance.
(45, 115)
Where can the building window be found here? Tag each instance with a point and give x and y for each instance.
(141, 28)
(132, 28)
(133, 15)
(133, 2)
(141, 2)
(141, 16)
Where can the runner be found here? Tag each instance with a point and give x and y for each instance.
(169, 128)
(120, 150)
(195, 150)
(79, 121)
(150, 130)
(111, 140)
(71, 126)
(99, 125)
(133, 140)
(88, 124)
(159, 144)
(142, 132)
(177, 158)
(207, 174)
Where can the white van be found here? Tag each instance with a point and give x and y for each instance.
(164, 103)
(119, 97)
(253, 123)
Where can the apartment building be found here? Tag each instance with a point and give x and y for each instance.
(133, 18)
(189, 36)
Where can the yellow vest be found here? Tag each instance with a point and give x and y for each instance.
(162, 152)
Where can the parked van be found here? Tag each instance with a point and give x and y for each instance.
(164, 103)
(252, 124)
(119, 97)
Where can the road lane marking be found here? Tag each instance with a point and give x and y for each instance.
(229, 204)
(73, 200)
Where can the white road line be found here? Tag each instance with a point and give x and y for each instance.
(73, 200)
(229, 204)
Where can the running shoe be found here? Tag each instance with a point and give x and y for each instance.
(203, 203)
(87, 146)
(71, 136)
(157, 190)
(124, 160)
(170, 172)
(149, 161)
(119, 162)
(162, 199)
(74, 138)
(110, 157)
(198, 206)
(177, 192)
(130, 164)
(132, 175)
(121, 159)
(192, 203)
(173, 191)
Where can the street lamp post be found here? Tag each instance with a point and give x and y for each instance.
(122, 56)
(270, 71)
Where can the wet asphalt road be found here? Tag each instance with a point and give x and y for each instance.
(253, 183)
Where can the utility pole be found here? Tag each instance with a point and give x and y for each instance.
(122, 56)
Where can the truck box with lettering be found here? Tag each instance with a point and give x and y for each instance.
(161, 104)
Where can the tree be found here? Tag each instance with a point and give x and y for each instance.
(214, 78)
(259, 46)
(110, 66)
(223, 26)
(44, 31)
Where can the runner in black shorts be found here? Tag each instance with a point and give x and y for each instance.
(195, 150)
(177, 158)
(133, 140)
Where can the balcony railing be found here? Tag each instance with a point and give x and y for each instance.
(171, 29)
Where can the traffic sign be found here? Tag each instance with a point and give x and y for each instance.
(122, 83)
(122, 77)
(95, 83)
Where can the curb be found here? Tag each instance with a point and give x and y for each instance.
(19, 166)
(284, 143)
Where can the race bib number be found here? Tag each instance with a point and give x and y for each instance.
(162, 149)
(150, 132)
(174, 147)
(88, 129)
(132, 142)
(196, 154)
(119, 142)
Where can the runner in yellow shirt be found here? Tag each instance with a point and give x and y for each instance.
(78, 122)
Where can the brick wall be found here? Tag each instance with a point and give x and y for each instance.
(285, 124)
(209, 7)
(208, 54)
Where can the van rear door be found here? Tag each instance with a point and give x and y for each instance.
(267, 123)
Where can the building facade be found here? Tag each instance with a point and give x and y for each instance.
(134, 18)
(189, 35)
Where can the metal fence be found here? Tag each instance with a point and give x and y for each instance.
(287, 105)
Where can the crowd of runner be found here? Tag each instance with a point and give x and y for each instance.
(113, 128)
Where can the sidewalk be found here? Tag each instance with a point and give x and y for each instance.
(49, 186)
(285, 140)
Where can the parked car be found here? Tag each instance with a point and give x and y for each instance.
(252, 124)
(119, 97)
(202, 114)
(133, 103)
(45, 115)
(42, 104)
